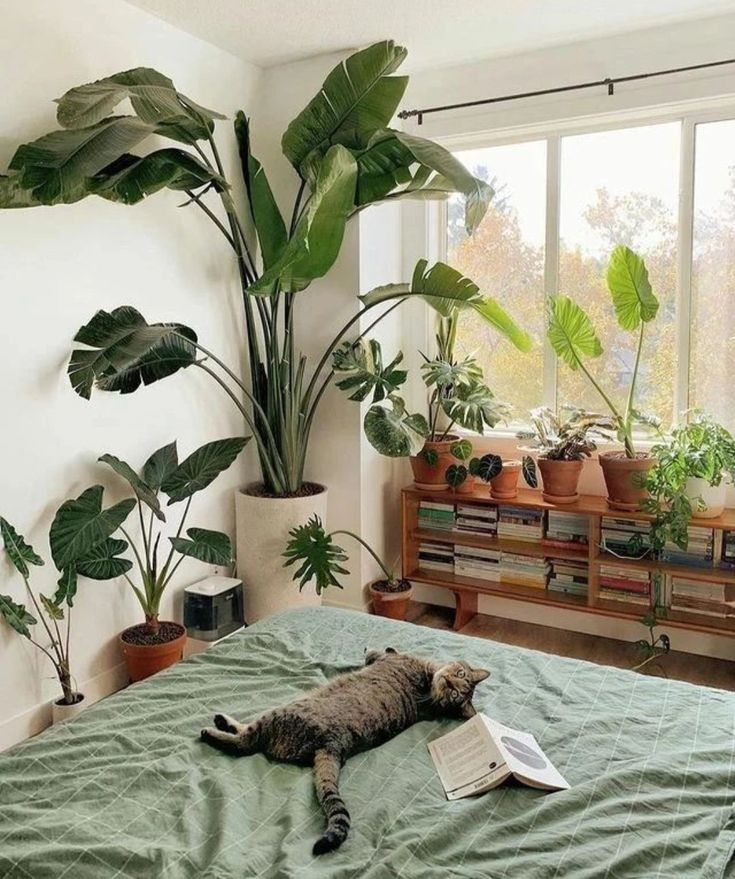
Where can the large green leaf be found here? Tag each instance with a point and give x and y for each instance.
(362, 365)
(358, 97)
(202, 467)
(13, 195)
(317, 239)
(81, 524)
(627, 280)
(55, 611)
(125, 351)
(317, 554)
(102, 562)
(392, 431)
(212, 547)
(57, 167)
(16, 616)
(267, 218)
(142, 490)
(474, 407)
(571, 332)
(382, 166)
(160, 465)
(66, 586)
(19, 552)
(154, 99)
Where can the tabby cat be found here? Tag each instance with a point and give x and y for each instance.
(352, 712)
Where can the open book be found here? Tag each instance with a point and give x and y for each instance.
(482, 753)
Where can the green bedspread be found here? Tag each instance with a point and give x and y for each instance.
(127, 790)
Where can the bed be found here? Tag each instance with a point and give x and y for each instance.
(127, 791)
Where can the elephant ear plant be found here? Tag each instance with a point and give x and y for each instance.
(345, 157)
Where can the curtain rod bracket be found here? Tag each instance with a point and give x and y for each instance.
(610, 86)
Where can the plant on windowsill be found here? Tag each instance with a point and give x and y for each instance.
(81, 545)
(562, 444)
(574, 340)
(319, 558)
(346, 158)
(689, 479)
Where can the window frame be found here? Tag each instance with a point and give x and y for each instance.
(689, 114)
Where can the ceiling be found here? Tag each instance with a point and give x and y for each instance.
(438, 33)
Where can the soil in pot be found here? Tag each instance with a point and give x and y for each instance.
(505, 485)
(147, 653)
(391, 600)
(623, 477)
(431, 476)
(561, 480)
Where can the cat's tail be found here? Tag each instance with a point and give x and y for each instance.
(326, 780)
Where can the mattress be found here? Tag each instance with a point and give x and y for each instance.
(127, 790)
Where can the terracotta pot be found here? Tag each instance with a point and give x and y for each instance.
(431, 476)
(144, 660)
(61, 712)
(621, 479)
(469, 485)
(393, 605)
(561, 479)
(505, 485)
(713, 497)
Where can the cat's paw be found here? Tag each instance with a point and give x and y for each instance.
(225, 723)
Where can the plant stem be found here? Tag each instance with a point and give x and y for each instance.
(629, 450)
(56, 647)
(178, 534)
(388, 574)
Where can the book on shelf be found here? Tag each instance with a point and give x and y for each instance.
(567, 530)
(477, 520)
(436, 556)
(521, 570)
(618, 583)
(699, 551)
(570, 577)
(471, 561)
(628, 538)
(701, 597)
(727, 554)
(436, 516)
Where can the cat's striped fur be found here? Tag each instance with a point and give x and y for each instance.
(352, 712)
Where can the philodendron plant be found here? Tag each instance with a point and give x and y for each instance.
(81, 545)
(345, 157)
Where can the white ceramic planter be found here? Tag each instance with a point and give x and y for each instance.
(60, 712)
(262, 525)
(712, 495)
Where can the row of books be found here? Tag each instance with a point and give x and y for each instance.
(618, 583)
(700, 597)
(520, 523)
(567, 530)
(626, 538)
(497, 566)
(700, 548)
(570, 577)
(436, 517)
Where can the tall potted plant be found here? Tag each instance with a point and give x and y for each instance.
(346, 157)
(574, 339)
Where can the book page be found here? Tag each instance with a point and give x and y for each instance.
(523, 756)
(468, 761)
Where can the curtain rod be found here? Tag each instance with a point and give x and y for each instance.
(610, 82)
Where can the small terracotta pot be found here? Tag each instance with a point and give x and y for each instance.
(431, 476)
(61, 712)
(505, 485)
(621, 479)
(144, 660)
(393, 605)
(561, 479)
(467, 486)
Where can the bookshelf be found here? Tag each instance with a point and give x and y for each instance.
(593, 558)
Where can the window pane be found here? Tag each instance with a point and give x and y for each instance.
(505, 257)
(712, 375)
(621, 187)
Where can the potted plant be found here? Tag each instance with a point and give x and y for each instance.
(345, 157)
(689, 479)
(81, 546)
(311, 547)
(461, 477)
(503, 475)
(574, 340)
(562, 445)
(155, 644)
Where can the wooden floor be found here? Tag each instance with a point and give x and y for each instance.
(605, 651)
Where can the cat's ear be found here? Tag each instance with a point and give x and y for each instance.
(390, 650)
(478, 674)
(467, 710)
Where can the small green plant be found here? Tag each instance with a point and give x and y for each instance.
(320, 558)
(701, 449)
(456, 474)
(655, 645)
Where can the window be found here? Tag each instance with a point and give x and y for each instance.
(666, 189)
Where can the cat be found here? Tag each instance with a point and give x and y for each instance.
(352, 712)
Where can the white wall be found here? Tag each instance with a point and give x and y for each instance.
(57, 267)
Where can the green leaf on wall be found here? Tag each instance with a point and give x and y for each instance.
(143, 492)
(202, 467)
(19, 552)
(16, 616)
(211, 547)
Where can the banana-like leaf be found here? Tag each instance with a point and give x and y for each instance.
(317, 239)
(202, 467)
(103, 562)
(211, 547)
(129, 179)
(267, 219)
(66, 586)
(57, 167)
(382, 167)
(571, 332)
(142, 490)
(125, 351)
(16, 616)
(474, 407)
(529, 471)
(13, 195)
(154, 99)
(455, 475)
(55, 611)
(19, 552)
(392, 431)
(318, 555)
(487, 467)
(627, 280)
(160, 466)
(358, 97)
(362, 363)
(81, 524)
